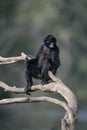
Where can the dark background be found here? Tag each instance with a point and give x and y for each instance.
(23, 25)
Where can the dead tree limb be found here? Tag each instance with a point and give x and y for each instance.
(57, 86)
(70, 118)
(10, 60)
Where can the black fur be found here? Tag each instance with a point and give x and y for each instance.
(47, 59)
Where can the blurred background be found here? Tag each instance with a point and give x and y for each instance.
(23, 25)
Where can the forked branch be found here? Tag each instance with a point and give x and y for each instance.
(57, 86)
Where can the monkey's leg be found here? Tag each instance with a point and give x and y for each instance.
(31, 71)
(45, 77)
(29, 82)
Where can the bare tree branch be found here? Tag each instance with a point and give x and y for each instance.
(65, 92)
(10, 60)
(70, 118)
(57, 86)
(35, 99)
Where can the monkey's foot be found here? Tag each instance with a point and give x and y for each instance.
(43, 82)
(28, 90)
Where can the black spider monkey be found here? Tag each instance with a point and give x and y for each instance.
(47, 59)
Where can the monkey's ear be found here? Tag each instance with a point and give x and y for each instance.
(45, 40)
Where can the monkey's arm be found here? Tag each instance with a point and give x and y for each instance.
(55, 60)
(56, 65)
(39, 51)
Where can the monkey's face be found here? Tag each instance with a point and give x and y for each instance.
(50, 41)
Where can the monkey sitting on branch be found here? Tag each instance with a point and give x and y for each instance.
(47, 59)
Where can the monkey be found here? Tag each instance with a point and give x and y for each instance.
(46, 59)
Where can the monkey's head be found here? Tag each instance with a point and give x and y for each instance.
(50, 41)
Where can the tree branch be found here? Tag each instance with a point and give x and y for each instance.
(57, 86)
(70, 118)
(35, 99)
(10, 60)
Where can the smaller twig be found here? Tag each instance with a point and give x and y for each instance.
(10, 60)
(13, 89)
